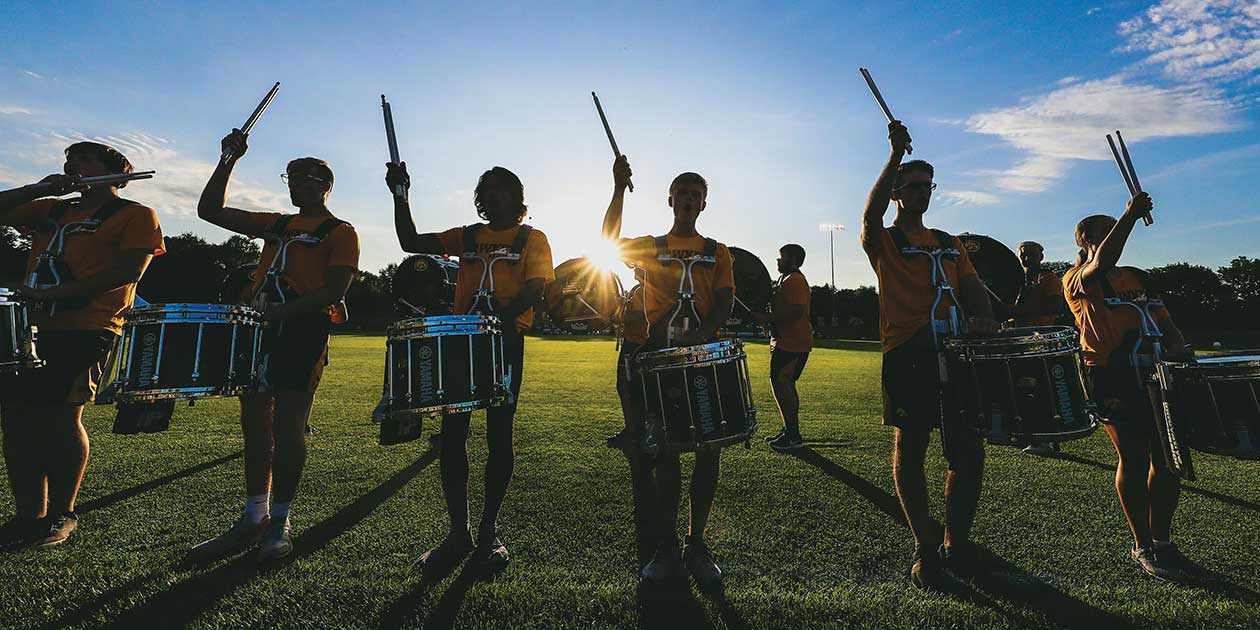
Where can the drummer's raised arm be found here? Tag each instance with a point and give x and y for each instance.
(621, 180)
(58, 185)
(881, 193)
(212, 205)
(410, 241)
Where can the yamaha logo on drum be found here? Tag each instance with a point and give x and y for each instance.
(148, 356)
(1062, 394)
(422, 265)
(424, 370)
(704, 403)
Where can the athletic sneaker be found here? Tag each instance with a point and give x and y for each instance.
(925, 570)
(18, 532)
(490, 556)
(1168, 552)
(452, 549)
(54, 530)
(1154, 565)
(700, 564)
(1037, 448)
(622, 439)
(666, 564)
(310, 430)
(781, 433)
(243, 534)
(787, 442)
(276, 543)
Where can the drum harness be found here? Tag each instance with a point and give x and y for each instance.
(483, 303)
(941, 328)
(49, 269)
(686, 286)
(1143, 362)
(273, 283)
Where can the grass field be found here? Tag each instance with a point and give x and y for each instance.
(808, 541)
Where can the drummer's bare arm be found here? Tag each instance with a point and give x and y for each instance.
(58, 185)
(529, 297)
(977, 305)
(127, 268)
(621, 179)
(404, 226)
(881, 194)
(336, 282)
(212, 205)
(1113, 245)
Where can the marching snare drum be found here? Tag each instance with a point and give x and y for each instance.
(186, 351)
(696, 395)
(1023, 385)
(448, 364)
(17, 335)
(1213, 403)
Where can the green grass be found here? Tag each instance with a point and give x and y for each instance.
(809, 541)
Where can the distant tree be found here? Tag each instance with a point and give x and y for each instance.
(1059, 267)
(1195, 295)
(238, 250)
(14, 249)
(1243, 277)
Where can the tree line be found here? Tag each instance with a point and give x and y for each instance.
(1201, 299)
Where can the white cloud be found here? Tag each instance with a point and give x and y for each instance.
(1195, 40)
(173, 191)
(1093, 10)
(1070, 122)
(969, 198)
(13, 109)
(34, 75)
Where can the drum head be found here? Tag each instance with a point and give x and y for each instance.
(998, 267)
(583, 298)
(235, 286)
(752, 289)
(425, 282)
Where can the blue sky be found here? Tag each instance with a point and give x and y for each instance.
(1009, 101)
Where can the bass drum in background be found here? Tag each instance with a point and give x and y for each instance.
(424, 285)
(235, 286)
(583, 298)
(752, 294)
(999, 268)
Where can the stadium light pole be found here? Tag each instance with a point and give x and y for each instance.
(831, 229)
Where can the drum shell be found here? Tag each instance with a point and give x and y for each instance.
(1026, 386)
(450, 364)
(697, 395)
(1215, 404)
(187, 351)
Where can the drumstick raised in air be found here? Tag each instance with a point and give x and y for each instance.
(608, 130)
(1127, 173)
(392, 139)
(116, 178)
(879, 98)
(1128, 163)
(253, 118)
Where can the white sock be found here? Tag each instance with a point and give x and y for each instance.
(280, 511)
(256, 507)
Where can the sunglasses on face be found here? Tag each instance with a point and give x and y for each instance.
(917, 186)
(297, 178)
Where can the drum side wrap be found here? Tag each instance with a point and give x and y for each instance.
(1024, 385)
(697, 396)
(443, 364)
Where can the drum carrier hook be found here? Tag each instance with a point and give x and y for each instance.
(941, 328)
(686, 283)
(483, 302)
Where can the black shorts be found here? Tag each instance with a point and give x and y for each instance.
(296, 352)
(914, 397)
(780, 359)
(1122, 399)
(74, 362)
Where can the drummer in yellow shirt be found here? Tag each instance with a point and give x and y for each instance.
(791, 339)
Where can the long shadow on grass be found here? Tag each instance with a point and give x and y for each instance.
(1223, 498)
(1007, 582)
(183, 602)
(123, 495)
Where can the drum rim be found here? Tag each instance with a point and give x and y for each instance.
(7, 292)
(1062, 339)
(441, 325)
(194, 307)
(177, 393)
(684, 356)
